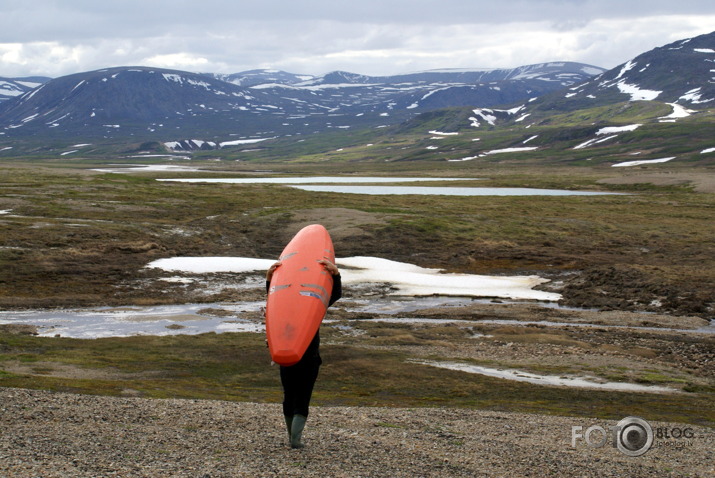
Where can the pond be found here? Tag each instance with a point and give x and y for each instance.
(100, 322)
(358, 185)
(315, 180)
(448, 191)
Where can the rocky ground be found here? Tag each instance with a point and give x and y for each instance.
(59, 435)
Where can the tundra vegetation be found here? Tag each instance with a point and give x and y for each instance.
(74, 237)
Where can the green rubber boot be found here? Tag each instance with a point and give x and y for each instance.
(296, 431)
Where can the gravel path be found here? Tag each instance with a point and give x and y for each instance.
(64, 435)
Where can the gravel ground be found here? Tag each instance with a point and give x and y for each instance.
(64, 435)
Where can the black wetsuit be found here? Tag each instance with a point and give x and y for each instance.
(298, 380)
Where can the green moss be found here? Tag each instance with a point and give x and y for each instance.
(236, 367)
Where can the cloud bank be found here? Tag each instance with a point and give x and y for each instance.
(51, 38)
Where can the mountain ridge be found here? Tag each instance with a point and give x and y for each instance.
(570, 107)
(143, 100)
(680, 72)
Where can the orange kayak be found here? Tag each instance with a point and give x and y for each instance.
(298, 294)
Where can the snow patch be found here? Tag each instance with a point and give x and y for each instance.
(189, 144)
(591, 142)
(514, 110)
(645, 161)
(207, 265)
(591, 71)
(29, 84)
(78, 85)
(553, 380)
(180, 80)
(608, 130)
(678, 112)
(694, 96)
(628, 66)
(32, 93)
(408, 279)
(617, 129)
(637, 94)
(243, 141)
(512, 150)
(8, 89)
(484, 113)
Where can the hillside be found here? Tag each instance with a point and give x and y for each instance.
(123, 102)
(682, 72)
(658, 107)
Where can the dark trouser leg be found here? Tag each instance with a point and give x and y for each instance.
(298, 382)
(289, 423)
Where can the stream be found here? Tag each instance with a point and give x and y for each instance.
(99, 322)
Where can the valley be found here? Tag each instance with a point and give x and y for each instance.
(74, 237)
(621, 261)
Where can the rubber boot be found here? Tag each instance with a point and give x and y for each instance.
(289, 423)
(296, 431)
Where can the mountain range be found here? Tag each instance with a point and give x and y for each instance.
(135, 104)
(156, 103)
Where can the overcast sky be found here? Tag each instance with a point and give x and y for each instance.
(375, 37)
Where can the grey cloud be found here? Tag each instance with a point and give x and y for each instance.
(321, 35)
(128, 17)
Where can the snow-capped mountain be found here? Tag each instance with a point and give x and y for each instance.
(152, 102)
(345, 91)
(12, 87)
(564, 73)
(682, 72)
(132, 98)
(261, 77)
